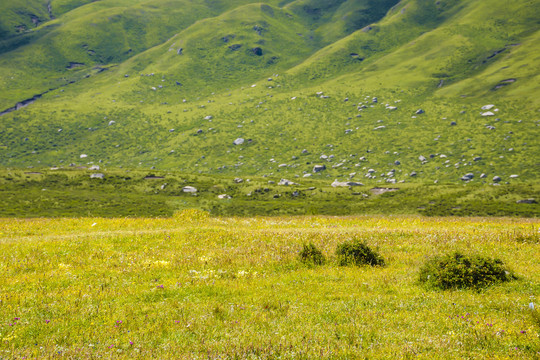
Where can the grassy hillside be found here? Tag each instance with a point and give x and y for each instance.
(191, 287)
(294, 80)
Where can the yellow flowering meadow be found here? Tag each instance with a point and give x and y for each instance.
(195, 287)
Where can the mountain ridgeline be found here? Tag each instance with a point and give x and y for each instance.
(375, 90)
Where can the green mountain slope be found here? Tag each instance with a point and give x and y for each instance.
(294, 80)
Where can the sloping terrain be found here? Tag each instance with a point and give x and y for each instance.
(277, 88)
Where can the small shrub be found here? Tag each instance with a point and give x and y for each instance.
(457, 271)
(311, 255)
(357, 253)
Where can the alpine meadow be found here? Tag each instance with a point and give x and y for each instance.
(272, 179)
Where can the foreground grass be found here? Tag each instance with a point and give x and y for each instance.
(197, 287)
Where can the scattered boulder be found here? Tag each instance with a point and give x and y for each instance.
(467, 177)
(488, 107)
(497, 179)
(97, 176)
(235, 47)
(527, 201)
(238, 141)
(224, 197)
(257, 51)
(94, 167)
(397, 162)
(419, 111)
(413, 174)
(422, 158)
(189, 189)
(488, 113)
(319, 168)
(337, 183)
(478, 158)
(238, 180)
(380, 190)
(514, 176)
(453, 123)
(483, 176)
(285, 182)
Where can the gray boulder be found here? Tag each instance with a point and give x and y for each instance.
(285, 182)
(319, 168)
(497, 179)
(337, 183)
(189, 189)
(526, 201)
(238, 141)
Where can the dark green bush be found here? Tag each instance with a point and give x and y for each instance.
(311, 255)
(457, 271)
(357, 253)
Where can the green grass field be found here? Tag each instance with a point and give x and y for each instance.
(194, 287)
(138, 193)
(228, 134)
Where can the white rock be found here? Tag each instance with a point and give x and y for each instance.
(488, 113)
(337, 183)
(285, 182)
(189, 189)
(238, 141)
(487, 107)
